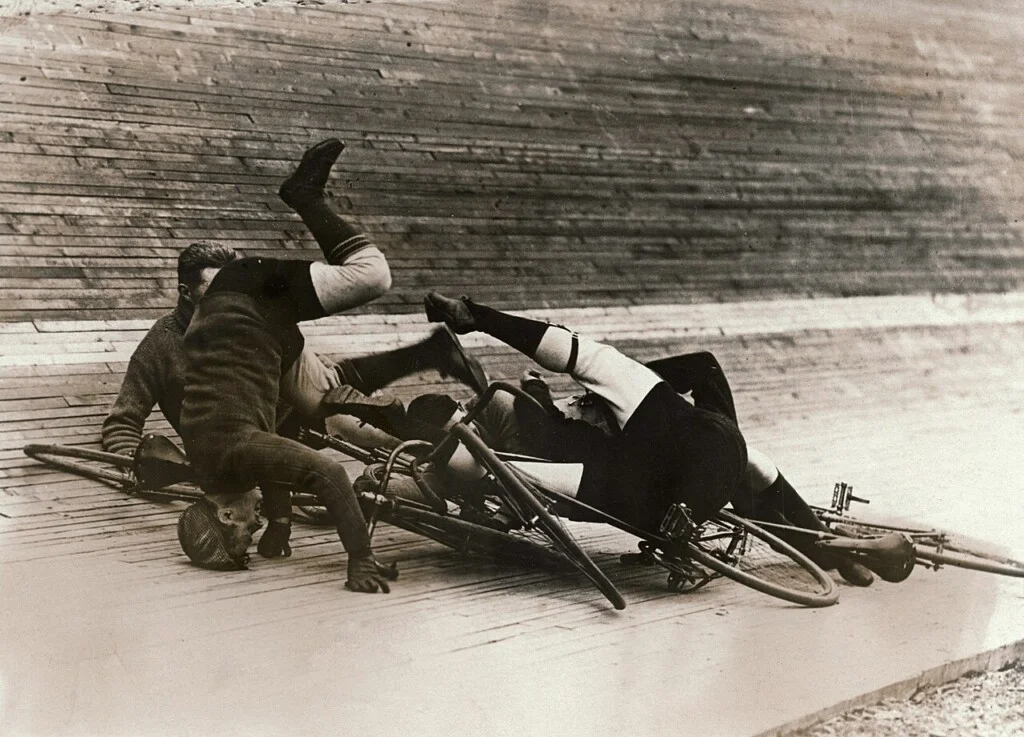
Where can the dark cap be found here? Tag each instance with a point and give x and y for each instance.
(202, 538)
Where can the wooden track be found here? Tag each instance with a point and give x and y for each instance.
(108, 628)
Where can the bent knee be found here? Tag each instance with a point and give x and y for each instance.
(761, 470)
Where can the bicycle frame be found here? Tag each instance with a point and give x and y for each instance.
(716, 549)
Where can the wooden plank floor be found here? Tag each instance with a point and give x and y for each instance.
(109, 631)
(112, 641)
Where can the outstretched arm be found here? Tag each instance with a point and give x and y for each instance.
(140, 391)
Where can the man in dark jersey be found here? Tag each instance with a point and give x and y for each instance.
(667, 450)
(642, 446)
(243, 337)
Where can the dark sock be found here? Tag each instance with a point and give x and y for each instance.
(520, 333)
(380, 369)
(794, 508)
(336, 237)
(781, 502)
(277, 501)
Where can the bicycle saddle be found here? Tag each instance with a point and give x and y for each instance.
(891, 556)
(159, 463)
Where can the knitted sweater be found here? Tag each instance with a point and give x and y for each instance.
(155, 376)
(243, 337)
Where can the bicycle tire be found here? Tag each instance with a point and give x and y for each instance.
(73, 451)
(76, 460)
(72, 459)
(522, 495)
(776, 568)
(470, 539)
(933, 545)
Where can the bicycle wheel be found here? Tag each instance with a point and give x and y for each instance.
(471, 539)
(536, 514)
(111, 468)
(750, 555)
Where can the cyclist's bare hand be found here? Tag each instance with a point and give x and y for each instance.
(331, 374)
(367, 576)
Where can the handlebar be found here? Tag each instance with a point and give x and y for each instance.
(842, 495)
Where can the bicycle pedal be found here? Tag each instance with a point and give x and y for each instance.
(677, 525)
(685, 583)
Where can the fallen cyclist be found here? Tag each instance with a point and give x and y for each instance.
(156, 377)
(667, 451)
(641, 445)
(241, 341)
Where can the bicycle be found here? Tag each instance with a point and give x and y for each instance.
(931, 548)
(513, 524)
(519, 520)
(725, 545)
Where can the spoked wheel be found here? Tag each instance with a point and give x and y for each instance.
(750, 555)
(471, 539)
(535, 514)
(934, 547)
(113, 469)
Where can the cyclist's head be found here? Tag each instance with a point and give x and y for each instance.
(216, 531)
(438, 410)
(198, 264)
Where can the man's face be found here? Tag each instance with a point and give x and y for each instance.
(195, 292)
(241, 517)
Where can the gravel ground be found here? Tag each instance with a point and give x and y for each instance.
(976, 705)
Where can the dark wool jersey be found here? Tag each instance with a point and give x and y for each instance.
(243, 336)
(668, 452)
